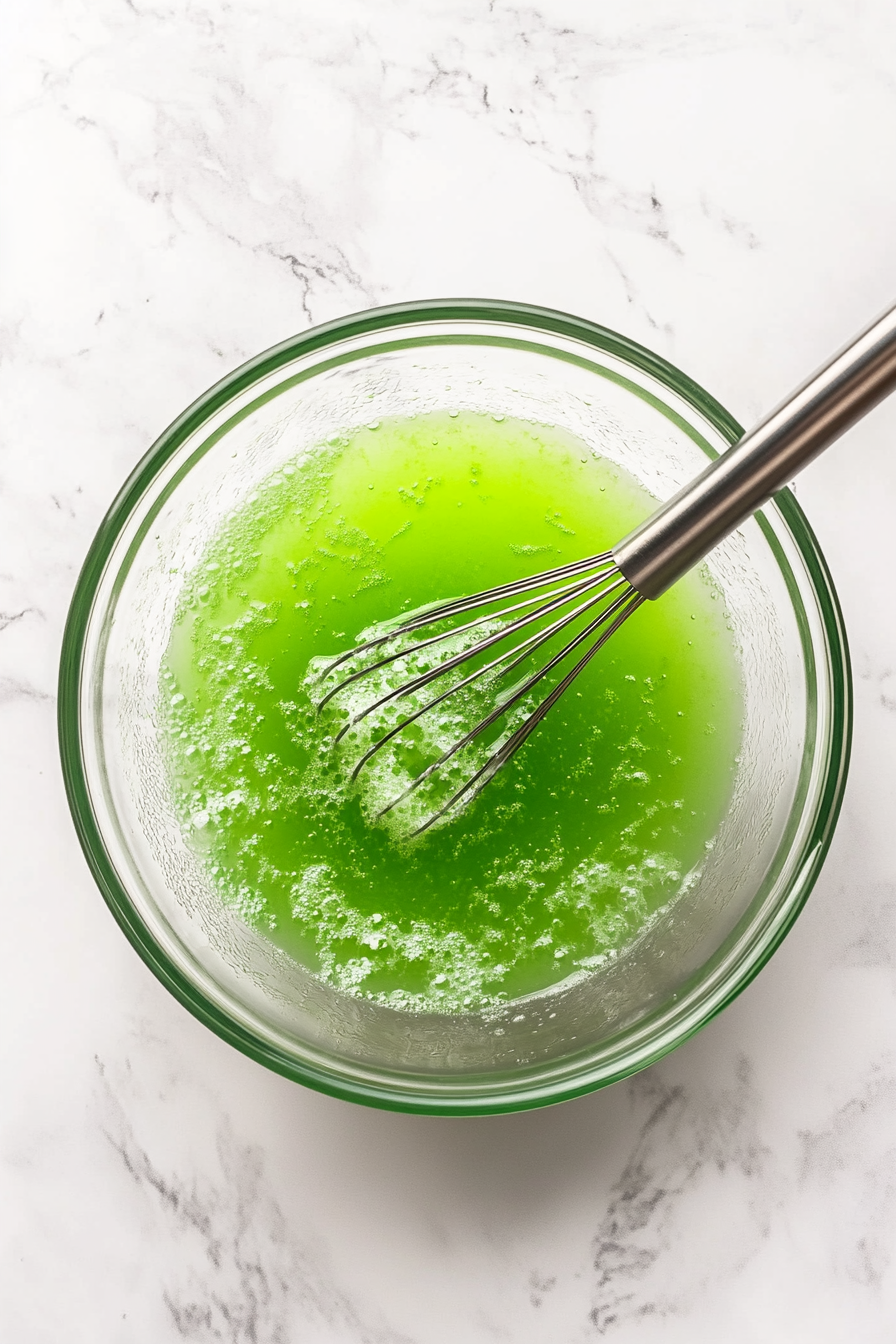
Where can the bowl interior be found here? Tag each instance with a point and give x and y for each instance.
(631, 409)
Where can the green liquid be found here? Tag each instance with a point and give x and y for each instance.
(577, 842)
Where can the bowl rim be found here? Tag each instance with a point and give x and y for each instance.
(69, 720)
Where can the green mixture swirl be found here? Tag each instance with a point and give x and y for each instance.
(595, 824)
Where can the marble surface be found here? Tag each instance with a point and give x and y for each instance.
(187, 183)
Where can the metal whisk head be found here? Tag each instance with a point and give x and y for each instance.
(574, 608)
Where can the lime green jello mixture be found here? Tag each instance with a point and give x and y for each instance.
(590, 829)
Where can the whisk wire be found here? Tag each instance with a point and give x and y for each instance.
(551, 601)
(602, 563)
(517, 654)
(556, 600)
(499, 758)
(630, 597)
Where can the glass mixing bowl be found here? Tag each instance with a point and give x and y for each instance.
(631, 407)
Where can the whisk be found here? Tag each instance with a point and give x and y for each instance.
(595, 596)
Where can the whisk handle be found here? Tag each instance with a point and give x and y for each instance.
(741, 480)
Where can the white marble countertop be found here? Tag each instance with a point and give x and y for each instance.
(187, 183)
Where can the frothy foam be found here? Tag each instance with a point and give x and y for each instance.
(393, 784)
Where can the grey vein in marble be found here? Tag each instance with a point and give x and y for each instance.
(243, 1277)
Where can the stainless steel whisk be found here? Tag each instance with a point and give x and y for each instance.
(615, 583)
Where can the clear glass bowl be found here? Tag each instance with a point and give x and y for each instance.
(630, 406)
